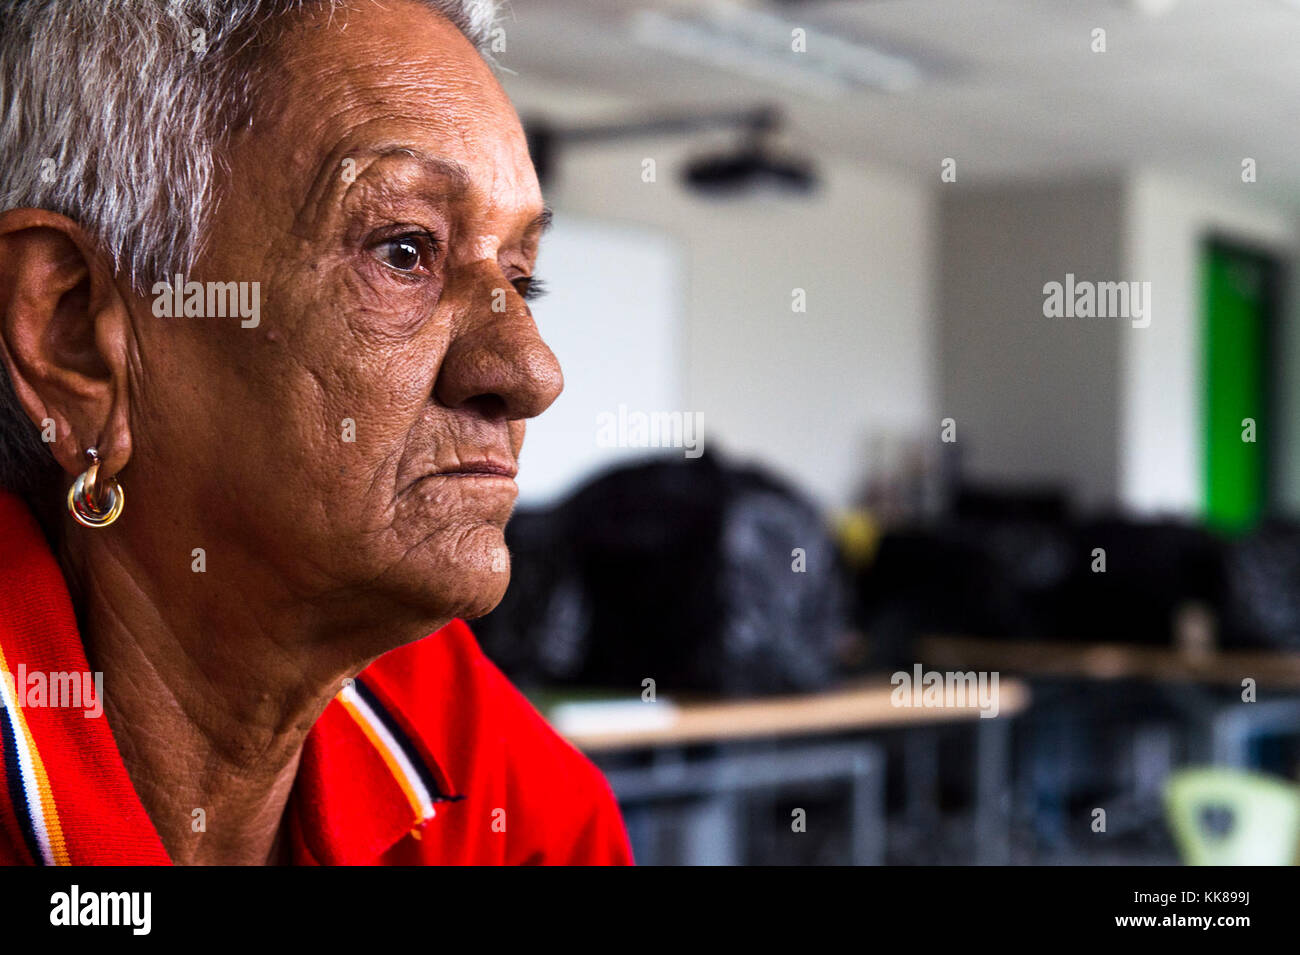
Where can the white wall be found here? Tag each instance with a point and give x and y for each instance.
(1035, 399)
(1110, 410)
(798, 392)
(1161, 468)
(614, 348)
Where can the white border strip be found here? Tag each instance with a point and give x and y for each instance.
(27, 769)
(354, 698)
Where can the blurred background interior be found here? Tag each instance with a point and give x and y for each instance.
(819, 233)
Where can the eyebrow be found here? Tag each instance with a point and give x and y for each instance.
(456, 171)
(460, 177)
(459, 173)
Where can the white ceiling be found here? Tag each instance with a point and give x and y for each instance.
(1013, 89)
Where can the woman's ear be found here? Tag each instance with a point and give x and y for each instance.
(65, 337)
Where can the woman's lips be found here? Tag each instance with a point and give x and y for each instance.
(480, 469)
(486, 475)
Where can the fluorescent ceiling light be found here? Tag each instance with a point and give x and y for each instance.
(759, 45)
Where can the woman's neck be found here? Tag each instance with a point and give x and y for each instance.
(210, 696)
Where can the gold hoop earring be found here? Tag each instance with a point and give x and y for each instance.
(93, 500)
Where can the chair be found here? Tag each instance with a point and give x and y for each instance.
(1231, 817)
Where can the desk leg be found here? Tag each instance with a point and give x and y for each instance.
(1230, 736)
(869, 818)
(921, 779)
(992, 792)
(642, 833)
(712, 832)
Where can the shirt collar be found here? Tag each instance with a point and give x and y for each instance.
(366, 779)
(66, 791)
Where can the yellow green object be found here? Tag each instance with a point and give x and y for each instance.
(1232, 817)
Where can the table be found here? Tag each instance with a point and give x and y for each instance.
(864, 705)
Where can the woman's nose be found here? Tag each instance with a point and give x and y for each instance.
(497, 359)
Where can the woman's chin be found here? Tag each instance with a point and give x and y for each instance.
(465, 581)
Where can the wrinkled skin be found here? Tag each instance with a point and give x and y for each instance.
(379, 127)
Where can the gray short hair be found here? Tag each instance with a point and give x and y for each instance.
(113, 113)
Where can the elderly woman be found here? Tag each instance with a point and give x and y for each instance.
(265, 265)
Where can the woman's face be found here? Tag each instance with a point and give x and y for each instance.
(385, 201)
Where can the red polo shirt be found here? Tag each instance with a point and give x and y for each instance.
(429, 757)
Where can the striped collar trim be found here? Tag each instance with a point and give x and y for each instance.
(420, 782)
(37, 814)
(28, 783)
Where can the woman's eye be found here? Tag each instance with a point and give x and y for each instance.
(405, 253)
